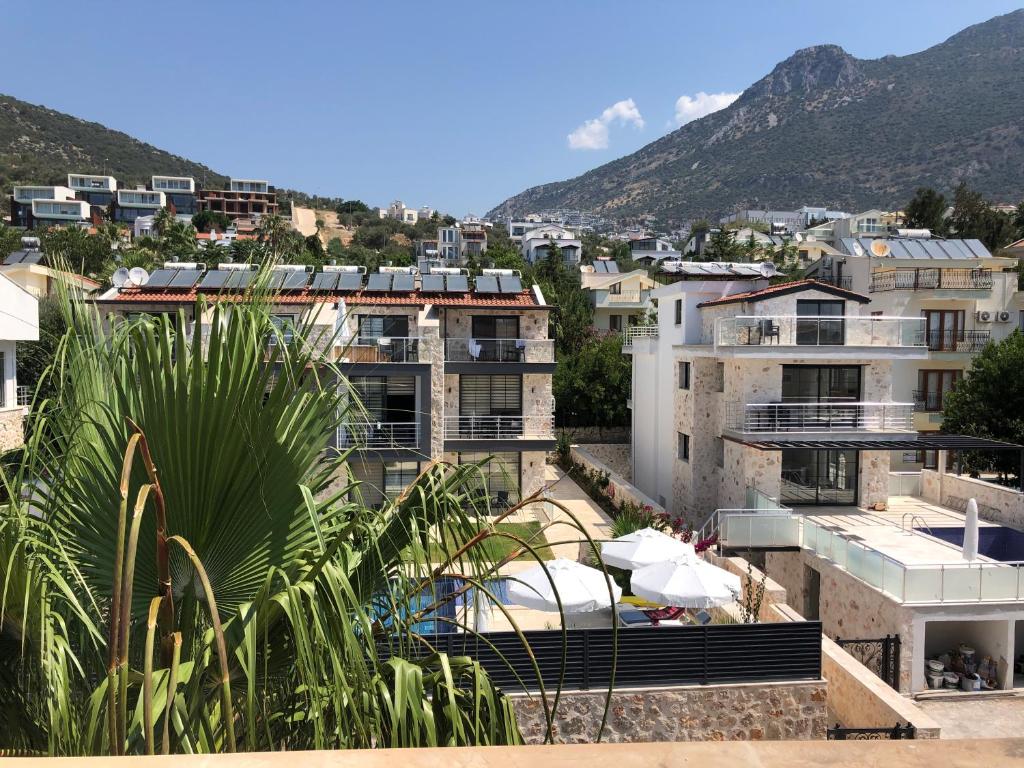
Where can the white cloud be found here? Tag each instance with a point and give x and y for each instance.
(593, 134)
(689, 108)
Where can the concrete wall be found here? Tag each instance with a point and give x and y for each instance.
(997, 503)
(751, 712)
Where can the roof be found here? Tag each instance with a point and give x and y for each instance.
(918, 248)
(785, 288)
(707, 269)
(922, 441)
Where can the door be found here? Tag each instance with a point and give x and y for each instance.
(818, 477)
(490, 407)
(497, 337)
(812, 593)
(943, 328)
(820, 323)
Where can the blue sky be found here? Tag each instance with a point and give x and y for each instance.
(451, 104)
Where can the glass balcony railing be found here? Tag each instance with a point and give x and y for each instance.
(499, 350)
(820, 417)
(819, 331)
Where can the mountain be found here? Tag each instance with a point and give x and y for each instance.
(826, 128)
(41, 146)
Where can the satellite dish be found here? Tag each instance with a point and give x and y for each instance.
(767, 269)
(120, 277)
(880, 248)
(138, 275)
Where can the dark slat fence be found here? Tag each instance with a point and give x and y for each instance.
(649, 656)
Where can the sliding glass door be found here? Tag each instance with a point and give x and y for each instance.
(819, 477)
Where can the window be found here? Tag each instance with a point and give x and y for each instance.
(821, 384)
(491, 327)
(932, 387)
(285, 324)
(373, 327)
(385, 399)
(943, 328)
(719, 377)
(683, 447)
(500, 476)
(381, 481)
(615, 289)
(684, 375)
(818, 328)
(719, 452)
(679, 311)
(615, 323)
(490, 395)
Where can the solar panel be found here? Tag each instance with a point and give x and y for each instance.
(14, 258)
(379, 282)
(600, 266)
(350, 281)
(612, 267)
(325, 281)
(510, 283)
(433, 283)
(487, 284)
(240, 279)
(404, 283)
(215, 279)
(185, 278)
(295, 281)
(276, 281)
(456, 283)
(161, 278)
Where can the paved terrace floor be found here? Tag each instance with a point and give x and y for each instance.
(886, 531)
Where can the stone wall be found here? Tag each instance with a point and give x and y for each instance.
(588, 435)
(996, 503)
(12, 432)
(751, 712)
(623, 489)
(615, 456)
(874, 477)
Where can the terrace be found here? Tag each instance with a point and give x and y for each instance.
(930, 278)
(466, 350)
(820, 417)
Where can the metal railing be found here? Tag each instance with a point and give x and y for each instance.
(958, 341)
(499, 350)
(379, 435)
(638, 332)
(957, 582)
(839, 282)
(382, 349)
(802, 330)
(930, 278)
(499, 427)
(820, 417)
(927, 400)
(24, 395)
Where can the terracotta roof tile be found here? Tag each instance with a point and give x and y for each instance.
(784, 288)
(524, 299)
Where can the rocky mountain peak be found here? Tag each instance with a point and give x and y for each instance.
(817, 68)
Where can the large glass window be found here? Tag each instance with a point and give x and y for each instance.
(501, 475)
(496, 337)
(819, 477)
(373, 327)
(490, 407)
(815, 325)
(386, 399)
(382, 481)
(932, 388)
(826, 384)
(943, 328)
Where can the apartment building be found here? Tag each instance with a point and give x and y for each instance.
(870, 224)
(446, 368)
(179, 192)
(243, 199)
(23, 195)
(95, 189)
(537, 243)
(19, 321)
(648, 251)
(965, 296)
(32, 270)
(401, 212)
(619, 299)
(133, 203)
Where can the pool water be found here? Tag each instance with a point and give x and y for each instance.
(445, 586)
(998, 542)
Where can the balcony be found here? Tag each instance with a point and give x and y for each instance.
(820, 417)
(622, 300)
(930, 279)
(958, 341)
(846, 283)
(382, 349)
(819, 331)
(499, 350)
(928, 401)
(515, 427)
(378, 435)
(638, 332)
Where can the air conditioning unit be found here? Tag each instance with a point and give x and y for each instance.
(1003, 317)
(983, 316)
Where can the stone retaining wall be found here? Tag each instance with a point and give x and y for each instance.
(616, 456)
(12, 433)
(588, 435)
(996, 503)
(623, 489)
(748, 712)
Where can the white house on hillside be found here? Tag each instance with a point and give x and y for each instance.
(19, 321)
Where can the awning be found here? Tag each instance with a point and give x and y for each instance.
(920, 442)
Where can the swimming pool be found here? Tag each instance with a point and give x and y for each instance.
(995, 541)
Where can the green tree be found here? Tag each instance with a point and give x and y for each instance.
(207, 221)
(973, 217)
(84, 253)
(10, 240)
(36, 357)
(591, 385)
(989, 402)
(722, 246)
(926, 210)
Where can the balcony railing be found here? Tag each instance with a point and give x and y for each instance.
(930, 278)
(499, 427)
(839, 282)
(626, 297)
(379, 435)
(383, 349)
(927, 400)
(822, 417)
(638, 332)
(958, 341)
(499, 350)
(803, 330)
(958, 582)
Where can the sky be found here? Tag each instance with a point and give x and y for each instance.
(451, 104)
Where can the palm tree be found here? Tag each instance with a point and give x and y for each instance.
(273, 230)
(162, 220)
(185, 567)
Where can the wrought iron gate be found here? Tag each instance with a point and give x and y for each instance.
(881, 655)
(897, 732)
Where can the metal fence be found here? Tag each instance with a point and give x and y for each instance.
(646, 656)
(879, 654)
(930, 278)
(958, 341)
(820, 417)
(896, 733)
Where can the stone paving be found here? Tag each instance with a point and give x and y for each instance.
(977, 717)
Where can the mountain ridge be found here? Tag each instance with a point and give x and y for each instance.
(826, 128)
